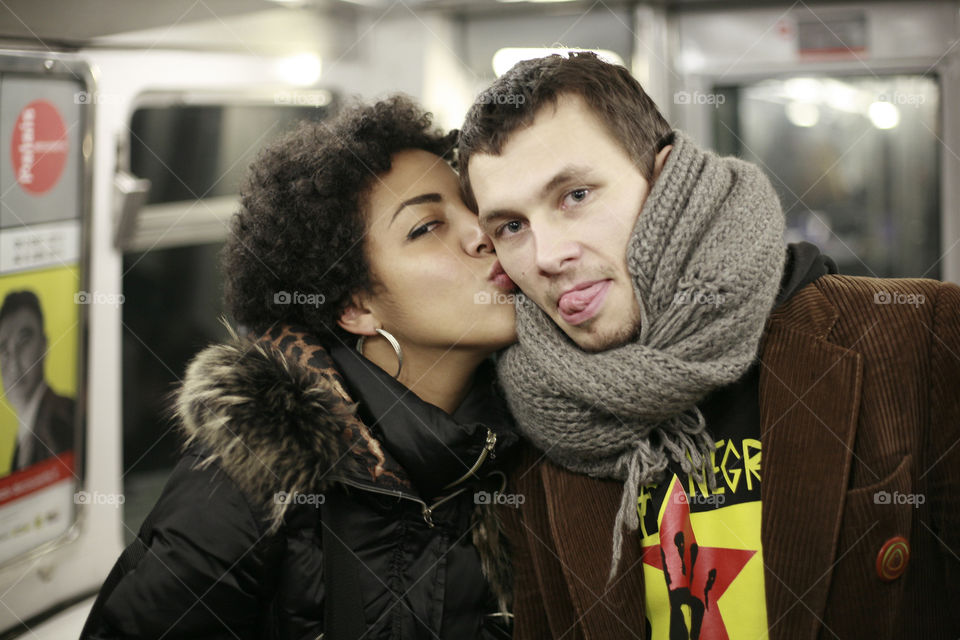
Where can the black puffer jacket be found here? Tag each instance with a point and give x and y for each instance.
(279, 468)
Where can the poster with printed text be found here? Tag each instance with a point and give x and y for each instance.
(41, 194)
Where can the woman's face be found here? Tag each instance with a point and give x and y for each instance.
(440, 286)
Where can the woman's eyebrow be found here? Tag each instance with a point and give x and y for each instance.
(420, 199)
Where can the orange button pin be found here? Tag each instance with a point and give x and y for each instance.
(893, 558)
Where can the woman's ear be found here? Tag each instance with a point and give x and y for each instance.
(660, 160)
(358, 319)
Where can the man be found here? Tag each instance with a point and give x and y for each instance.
(666, 338)
(45, 419)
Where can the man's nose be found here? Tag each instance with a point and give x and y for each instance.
(556, 248)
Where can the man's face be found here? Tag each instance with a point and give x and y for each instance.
(560, 203)
(22, 347)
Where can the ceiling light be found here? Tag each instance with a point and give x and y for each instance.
(802, 114)
(883, 115)
(302, 69)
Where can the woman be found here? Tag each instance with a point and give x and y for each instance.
(340, 458)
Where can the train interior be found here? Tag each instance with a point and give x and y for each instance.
(126, 128)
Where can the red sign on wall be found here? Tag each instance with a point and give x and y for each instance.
(39, 147)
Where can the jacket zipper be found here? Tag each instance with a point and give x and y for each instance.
(425, 509)
(488, 447)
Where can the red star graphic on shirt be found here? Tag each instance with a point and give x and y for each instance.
(696, 576)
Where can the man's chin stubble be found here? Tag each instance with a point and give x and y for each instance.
(592, 343)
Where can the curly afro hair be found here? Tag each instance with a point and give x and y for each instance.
(296, 252)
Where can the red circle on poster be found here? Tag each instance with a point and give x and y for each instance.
(39, 147)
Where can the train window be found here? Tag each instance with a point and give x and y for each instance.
(854, 160)
(194, 153)
(193, 148)
(172, 302)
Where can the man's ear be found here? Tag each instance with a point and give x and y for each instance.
(358, 319)
(660, 160)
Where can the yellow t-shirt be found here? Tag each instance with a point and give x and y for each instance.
(702, 556)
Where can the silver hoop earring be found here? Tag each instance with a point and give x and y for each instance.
(393, 343)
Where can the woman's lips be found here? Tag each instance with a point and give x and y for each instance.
(500, 279)
(582, 302)
(503, 282)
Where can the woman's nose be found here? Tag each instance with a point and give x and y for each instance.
(475, 242)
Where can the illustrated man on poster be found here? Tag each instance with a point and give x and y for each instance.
(45, 419)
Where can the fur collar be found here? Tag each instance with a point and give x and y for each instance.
(273, 413)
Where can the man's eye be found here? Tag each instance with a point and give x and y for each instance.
(576, 196)
(509, 228)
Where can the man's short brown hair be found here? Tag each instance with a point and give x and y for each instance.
(512, 102)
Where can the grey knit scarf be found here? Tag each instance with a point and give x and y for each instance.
(706, 256)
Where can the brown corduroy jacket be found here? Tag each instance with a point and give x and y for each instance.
(859, 394)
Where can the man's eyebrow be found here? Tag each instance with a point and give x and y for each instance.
(488, 217)
(568, 173)
(420, 199)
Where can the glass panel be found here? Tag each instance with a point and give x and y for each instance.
(855, 163)
(42, 308)
(173, 296)
(171, 309)
(202, 151)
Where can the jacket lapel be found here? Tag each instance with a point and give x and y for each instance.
(581, 512)
(809, 400)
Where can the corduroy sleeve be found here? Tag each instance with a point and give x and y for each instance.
(944, 436)
(522, 527)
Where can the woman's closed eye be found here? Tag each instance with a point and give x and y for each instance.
(421, 229)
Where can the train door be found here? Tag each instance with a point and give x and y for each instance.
(122, 268)
(188, 151)
(850, 109)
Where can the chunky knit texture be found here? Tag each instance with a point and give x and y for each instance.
(706, 256)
